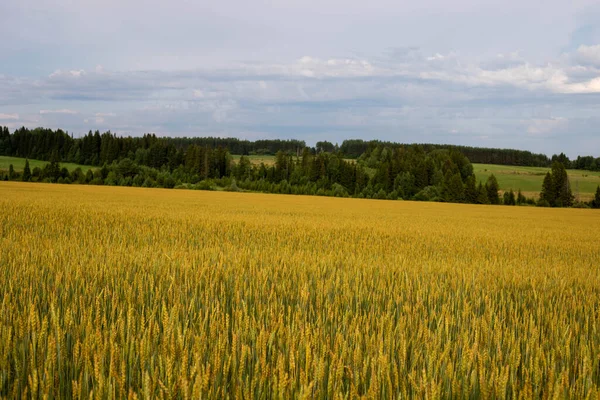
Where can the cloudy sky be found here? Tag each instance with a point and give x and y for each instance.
(519, 74)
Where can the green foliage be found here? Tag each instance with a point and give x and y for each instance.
(482, 194)
(383, 170)
(11, 172)
(338, 190)
(543, 203)
(492, 188)
(126, 168)
(548, 193)
(233, 187)
(471, 192)
(429, 193)
(453, 189)
(521, 199)
(325, 146)
(596, 201)
(26, 172)
(556, 189)
(564, 195)
(36, 173)
(509, 198)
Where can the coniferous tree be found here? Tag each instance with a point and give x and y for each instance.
(556, 190)
(11, 172)
(596, 201)
(471, 190)
(548, 193)
(482, 196)
(509, 198)
(52, 170)
(562, 187)
(26, 172)
(492, 188)
(521, 198)
(454, 190)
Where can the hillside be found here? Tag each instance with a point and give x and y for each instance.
(529, 179)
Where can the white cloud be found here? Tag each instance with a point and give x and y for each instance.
(70, 74)
(549, 78)
(415, 96)
(436, 56)
(97, 120)
(60, 111)
(8, 116)
(588, 54)
(544, 126)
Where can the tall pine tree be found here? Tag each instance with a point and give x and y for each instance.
(548, 193)
(596, 201)
(562, 187)
(556, 189)
(492, 188)
(26, 172)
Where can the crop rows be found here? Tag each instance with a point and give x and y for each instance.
(147, 293)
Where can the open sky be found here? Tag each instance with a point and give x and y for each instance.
(519, 74)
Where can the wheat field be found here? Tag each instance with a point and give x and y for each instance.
(110, 292)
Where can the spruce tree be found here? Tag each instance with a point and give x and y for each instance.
(492, 188)
(11, 172)
(521, 199)
(482, 197)
(457, 187)
(596, 201)
(471, 190)
(453, 189)
(509, 198)
(548, 193)
(26, 172)
(562, 187)
(556, 189)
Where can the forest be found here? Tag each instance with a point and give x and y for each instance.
(378, 170)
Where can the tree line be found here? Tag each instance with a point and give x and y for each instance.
(97, 148)
(354, 148)
(382, 171)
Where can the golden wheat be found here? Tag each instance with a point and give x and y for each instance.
(148, 293)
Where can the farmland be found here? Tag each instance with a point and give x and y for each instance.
(116, 292)
(529, 179)
(256, 159)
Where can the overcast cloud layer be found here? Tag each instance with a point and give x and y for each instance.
(504, 74)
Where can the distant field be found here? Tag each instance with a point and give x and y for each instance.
(266, 159)
(19, 164)
(529, 179)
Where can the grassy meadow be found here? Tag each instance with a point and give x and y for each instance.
(19, 164)
(257, 159)
(150, 293)
(529, 179)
